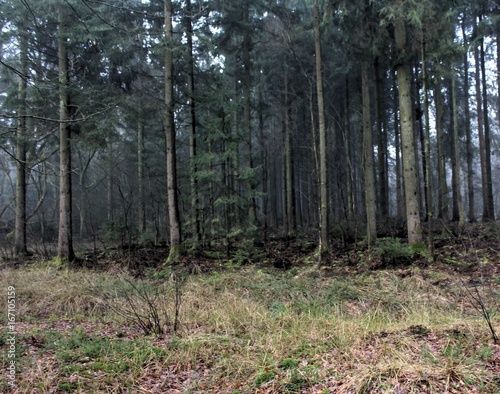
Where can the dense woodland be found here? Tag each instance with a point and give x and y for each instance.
(220, 123)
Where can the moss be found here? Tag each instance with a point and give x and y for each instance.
(175, 253)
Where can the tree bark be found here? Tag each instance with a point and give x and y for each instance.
(498, 65)
(172, 198)
(468, 137)
(21, 155)
(195, 217)
(323, 203)
(427, 151)
(489, 212)
(347, 152)
(443, 187)
(407, 137)
(265, 168)
(368, 165)
(247, 104)
(289, 195)
(400, 206)
(457, 193)
(140, 172)
(65, 239)
(383, 180)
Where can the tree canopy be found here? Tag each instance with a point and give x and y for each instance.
(245, 119)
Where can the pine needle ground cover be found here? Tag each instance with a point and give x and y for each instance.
(254, 330)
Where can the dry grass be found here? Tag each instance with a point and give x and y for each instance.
(254, 330)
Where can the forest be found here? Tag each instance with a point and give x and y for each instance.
(210, 196)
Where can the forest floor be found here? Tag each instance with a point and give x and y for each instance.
(379, 320)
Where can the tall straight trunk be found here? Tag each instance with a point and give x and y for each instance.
(246, 82)
(313, 197)
(208, 230)
(21, 156)
(323, 197)
(443, 187)
(498, 66)
(65, 239)
(468, 137)
(407, 137)
(172, 198)
(490, 209)
(109, 189)
(383, 180)
(400, 207)
(264, 164)
(347, 150)
(289, 195)
(457, 195)
(140, 172)
(368, 166)
(195, 216)
(82, 233)
(480, 131)
(226, 182)
(427, 151)
(420, 141)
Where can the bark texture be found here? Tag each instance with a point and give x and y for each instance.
(370, 202)
(65, 239)
(172, 198)
(323, 210)
(414, 230)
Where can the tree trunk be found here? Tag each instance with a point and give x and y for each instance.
(264, 164)
(407, 137)
(21, 142)
(347, 150)
(420, 142)
(65, 240)
(498, 66)
(427, 144)
(443, 187)
(140, 172)
(489, 213)
(468, 137)
(195, 217)
(247, 104)
(370, 202)
(109, 189)
(173, 205)
(457, 193)
(383, 180)
(400, 206)
(323, 197)
(289, 195)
